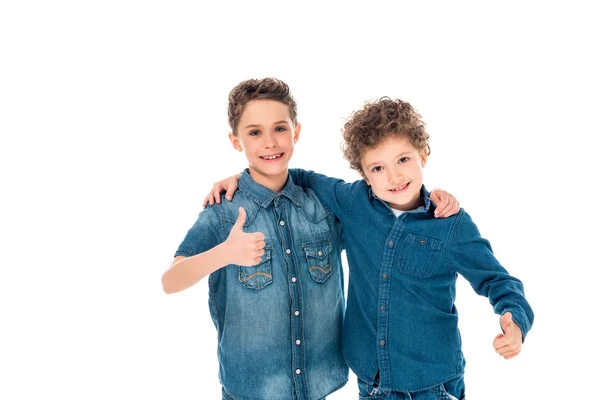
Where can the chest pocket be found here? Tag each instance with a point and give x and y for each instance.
(318, 255)
(257, 276)
(419, 255)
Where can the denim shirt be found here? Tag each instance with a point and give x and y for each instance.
(400, 318)
(279, 322)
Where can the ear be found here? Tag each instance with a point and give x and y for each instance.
(297, 133)
(424, 157)
(365, 178)
(235, 141)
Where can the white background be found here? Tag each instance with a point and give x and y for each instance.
(113, 128)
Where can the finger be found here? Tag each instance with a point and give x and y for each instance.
(512, 355)
(445, 210)
(506, 321)
(217, 195)
(503, 348)
(260, 244)
(453, 209)
(229, 194)
(499, 342)
(240, 219)
(258, 236)
(205, 202)
(260, 253)
(441, 205)
(509, 352)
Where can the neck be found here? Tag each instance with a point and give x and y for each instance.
(273, 182)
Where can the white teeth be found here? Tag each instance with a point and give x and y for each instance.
(272, 157)
(399, 188)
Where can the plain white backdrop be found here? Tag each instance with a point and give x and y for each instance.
(113, 128)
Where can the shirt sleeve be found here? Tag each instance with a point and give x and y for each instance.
(472, 257)
(202, 236)
(333, 192)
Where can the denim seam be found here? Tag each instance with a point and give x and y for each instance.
(456, 375)
(352, 195)
(450, 239)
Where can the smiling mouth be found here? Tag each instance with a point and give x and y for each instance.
(399, 188)
(273, 157)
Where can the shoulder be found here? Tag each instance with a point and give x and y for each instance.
(228, 211)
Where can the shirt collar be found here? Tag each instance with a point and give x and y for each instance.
(264, 196)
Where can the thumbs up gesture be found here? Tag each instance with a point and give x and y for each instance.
(508, 344)
(244, 249)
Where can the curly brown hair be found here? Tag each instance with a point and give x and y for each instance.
(378, 120)
(257, 89)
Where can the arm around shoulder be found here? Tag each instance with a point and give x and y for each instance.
(335, 193)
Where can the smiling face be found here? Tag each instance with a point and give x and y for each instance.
(394, 170)
(267, 135)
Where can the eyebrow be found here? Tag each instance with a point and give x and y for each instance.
(378, 162)
(283, 121)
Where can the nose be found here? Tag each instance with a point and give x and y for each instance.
(270, 141)
(395, 176)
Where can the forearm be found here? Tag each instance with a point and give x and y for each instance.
(186, 272)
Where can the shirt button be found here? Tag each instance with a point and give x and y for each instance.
(281, 223)
(382, 308)
(298, 372)
(287, 251)
(293, 279)
(391, 243)
(296, 313)
(297, 342)
(422, 241)
(320, 253)
(385, 276)
(382, 342)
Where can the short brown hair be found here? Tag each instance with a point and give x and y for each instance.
(256, 89)
(378, 120)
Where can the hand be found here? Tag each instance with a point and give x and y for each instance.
(228, 184)
(244, 249)
(508, 345)
(446, 204)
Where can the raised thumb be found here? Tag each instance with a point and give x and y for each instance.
(240, 219)
(506, 321)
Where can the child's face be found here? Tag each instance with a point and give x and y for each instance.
(267, 136)
(394, 170)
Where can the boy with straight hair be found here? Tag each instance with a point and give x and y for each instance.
(401, 334)
(273, 254)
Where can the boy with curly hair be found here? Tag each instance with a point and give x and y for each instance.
(401, 335)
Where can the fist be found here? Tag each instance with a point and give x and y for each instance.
(508, 344)
(245, 249)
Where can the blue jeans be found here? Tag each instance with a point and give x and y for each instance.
(451, 390)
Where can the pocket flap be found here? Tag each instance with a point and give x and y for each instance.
(318, 249)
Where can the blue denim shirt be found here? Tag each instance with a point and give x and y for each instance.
(279, 322)
(400, 318)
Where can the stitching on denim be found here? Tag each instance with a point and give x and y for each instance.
(352, 195)
(328, 270)
(255, 274)
(451, 237)
(319, 216)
